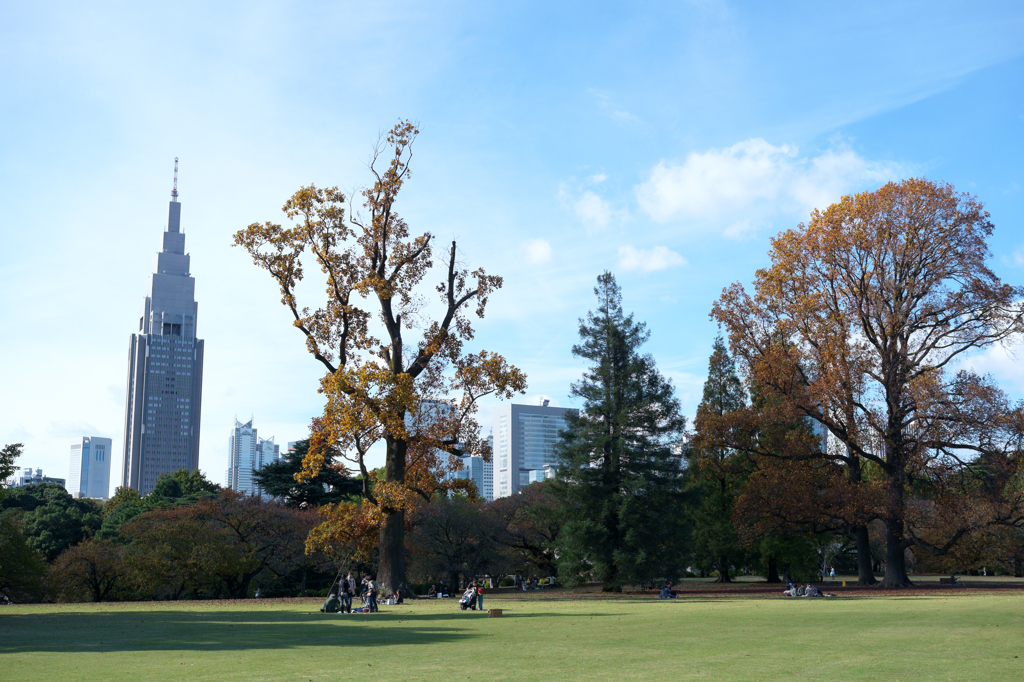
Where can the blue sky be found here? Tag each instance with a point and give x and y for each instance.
(665, 142)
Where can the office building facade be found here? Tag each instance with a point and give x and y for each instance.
(89, 473)
(165, 368)
(28, 476)
(524, 441)
(247, 454)
(475, 469)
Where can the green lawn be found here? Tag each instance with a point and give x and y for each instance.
(542, 636)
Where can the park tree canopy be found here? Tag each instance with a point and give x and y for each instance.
(859, 324)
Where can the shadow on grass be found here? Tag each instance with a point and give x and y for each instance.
(232, 630)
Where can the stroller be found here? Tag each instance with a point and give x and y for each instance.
(468, 600)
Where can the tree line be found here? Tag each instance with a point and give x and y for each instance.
(841, 422)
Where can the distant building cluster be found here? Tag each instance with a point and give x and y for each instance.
(29, 477)
(522, 450)
(247, 454)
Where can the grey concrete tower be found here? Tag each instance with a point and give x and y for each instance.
(165, 368)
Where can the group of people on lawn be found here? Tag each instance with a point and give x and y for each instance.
(806, 591)
(340, 598)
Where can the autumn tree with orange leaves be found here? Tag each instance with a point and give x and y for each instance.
(419, 395)
(858, 325)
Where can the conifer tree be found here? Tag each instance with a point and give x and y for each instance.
(716, 474)
(620, 476)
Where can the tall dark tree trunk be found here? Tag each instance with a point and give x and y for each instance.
(895, 556)
(303, 593)
(1018, 566)
(895, 542)
(773, 571)
(391, 566)
(865, 576)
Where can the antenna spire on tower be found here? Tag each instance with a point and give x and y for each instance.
(174, 192)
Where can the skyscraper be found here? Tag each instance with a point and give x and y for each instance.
(248, 453)
(90, 467)
(165, 368)
(524, 441)
(241, 457)
(475, 469)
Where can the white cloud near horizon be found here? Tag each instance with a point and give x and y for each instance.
(754, 176)
(538, 251)
(650, 260)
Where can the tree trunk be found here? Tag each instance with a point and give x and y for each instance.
(895, 558)
(303, 593)
(1018, 566)
(865, 576)
(391, 567)
(773, 571)
(895, 545)
(723, 571)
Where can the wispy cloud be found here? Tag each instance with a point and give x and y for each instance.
(754, 177)
(72, 429)
(650, 260)
(1018, 256)
(592, 209)
(538, 251)
(608, 106)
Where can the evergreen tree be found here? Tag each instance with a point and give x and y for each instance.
(619, 476)
(278, 479)
(716, 474)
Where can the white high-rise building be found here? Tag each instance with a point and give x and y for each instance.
(267, 452)
(248, 453)
(524, 441)
(488, 490)
(89, 475)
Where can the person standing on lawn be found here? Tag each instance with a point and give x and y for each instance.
(371, 596)
(346, 589)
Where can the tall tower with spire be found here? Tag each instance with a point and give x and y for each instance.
(165, 368)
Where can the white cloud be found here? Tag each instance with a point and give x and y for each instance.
(598, 178)
(1003, 363)
(1018, 256)
(754, 176)
(592, 209)
(658, 258)
(538, 251)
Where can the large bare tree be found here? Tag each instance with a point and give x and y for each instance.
(859, 325)
(419, 397)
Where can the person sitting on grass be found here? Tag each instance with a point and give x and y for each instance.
(666, 591)
(331, 605)
(432, 592)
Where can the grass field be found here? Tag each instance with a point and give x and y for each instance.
(965, 635)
